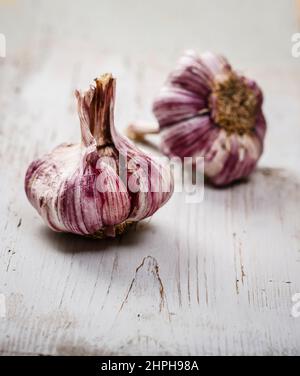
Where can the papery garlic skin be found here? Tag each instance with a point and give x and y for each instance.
(65, 187)
(208, 110)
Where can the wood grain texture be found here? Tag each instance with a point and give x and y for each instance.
(214, 278)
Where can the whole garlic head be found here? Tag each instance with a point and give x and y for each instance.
(102, 185)
(207, 109)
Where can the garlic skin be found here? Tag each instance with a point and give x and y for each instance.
(206, 109)
(77, 188)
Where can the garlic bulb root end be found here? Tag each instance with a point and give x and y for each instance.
(233, 104)
(113, 231)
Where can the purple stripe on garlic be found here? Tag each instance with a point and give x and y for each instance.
(102, 185)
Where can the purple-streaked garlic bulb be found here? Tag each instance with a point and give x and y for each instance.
(100, 186)
(206, 109)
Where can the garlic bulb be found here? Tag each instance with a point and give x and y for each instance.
(206, 109)
(84, 188)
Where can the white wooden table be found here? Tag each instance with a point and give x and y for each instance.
(206, 279)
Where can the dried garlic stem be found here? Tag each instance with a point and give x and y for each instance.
(139, 130)
(96, 111)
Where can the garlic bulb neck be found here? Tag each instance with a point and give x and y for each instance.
(137, 131)
(96, 112)
(233, 104)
